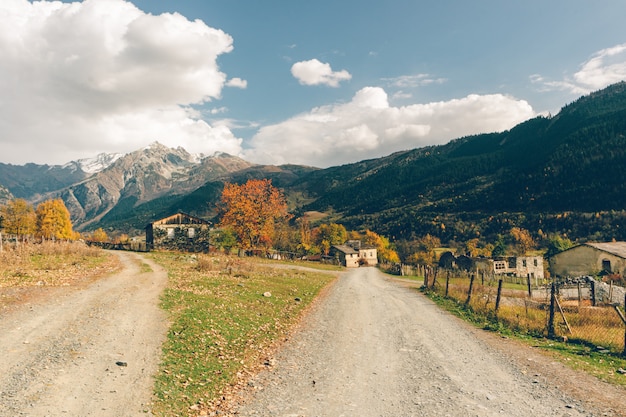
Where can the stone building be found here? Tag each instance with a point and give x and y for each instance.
(180, 231)
(590, 259)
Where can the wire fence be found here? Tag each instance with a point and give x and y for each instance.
(580, 309)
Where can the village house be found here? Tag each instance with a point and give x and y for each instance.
(590, 259)
(352, 254)
(180, 231)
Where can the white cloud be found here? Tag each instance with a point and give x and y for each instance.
(368, 127)
(238, 83)
(605, 67)
(101, 75)
(314, 72)
(413, 81)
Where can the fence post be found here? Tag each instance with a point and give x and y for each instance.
(498, 297)
(528, 284)
(435, 272)
(469, 292)
(593, 292)
(551, 333)
(624, 351)
(425, 278)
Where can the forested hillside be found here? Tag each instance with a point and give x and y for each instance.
(563, 174)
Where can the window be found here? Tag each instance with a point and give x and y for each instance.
(524, 263)
(536, 263)
(499, 266)
(170, 233)
(191, 232)
(606, 265)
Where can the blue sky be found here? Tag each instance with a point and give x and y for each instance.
(316, 83)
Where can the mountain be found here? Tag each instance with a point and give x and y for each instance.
(30, 180)
(138, 177)
(574, 162)
(565, 174)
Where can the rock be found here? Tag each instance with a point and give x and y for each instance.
(298, 299)
(621, 371)
(267, 294)
(120, 363)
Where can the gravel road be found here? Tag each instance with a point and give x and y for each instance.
(376, 348)
(87, 352)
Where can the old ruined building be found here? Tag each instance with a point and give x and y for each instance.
(181, 232)
(517, 266)
(353, 254)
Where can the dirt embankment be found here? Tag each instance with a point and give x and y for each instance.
(87, 352)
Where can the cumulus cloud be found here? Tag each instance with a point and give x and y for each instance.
(368, 127)
(605, 67)
(102, 75)
(237, 82)
(314, 72)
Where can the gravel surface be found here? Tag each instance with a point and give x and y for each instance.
(88, 352)
(370, 347)
(376, 348)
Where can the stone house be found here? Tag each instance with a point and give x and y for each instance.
(352, 254)
(181, 232)
(590, 259)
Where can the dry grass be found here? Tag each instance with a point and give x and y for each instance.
(49, 264)
(598, 326)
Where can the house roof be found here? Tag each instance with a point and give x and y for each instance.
(345, 249)
(180, 218)
(614, 248)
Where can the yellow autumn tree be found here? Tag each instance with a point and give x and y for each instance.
(53, 220)
(251, 211)
(383, 247)
(99, 235)
(18, 218)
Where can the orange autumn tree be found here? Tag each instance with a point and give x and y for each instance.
(252, 211)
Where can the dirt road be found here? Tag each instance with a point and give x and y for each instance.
(376, 348)
(89, 352)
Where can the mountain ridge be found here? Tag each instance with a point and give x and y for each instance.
(574, 161)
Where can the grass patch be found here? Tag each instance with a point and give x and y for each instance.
(223, 327)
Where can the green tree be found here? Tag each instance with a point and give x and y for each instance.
(53, 220)
(557, 243)
(499, 248)
(223, 238)
(19, 218)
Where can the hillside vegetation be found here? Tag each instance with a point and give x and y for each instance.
(562, 174)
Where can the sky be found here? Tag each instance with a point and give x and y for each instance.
(320, 83)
